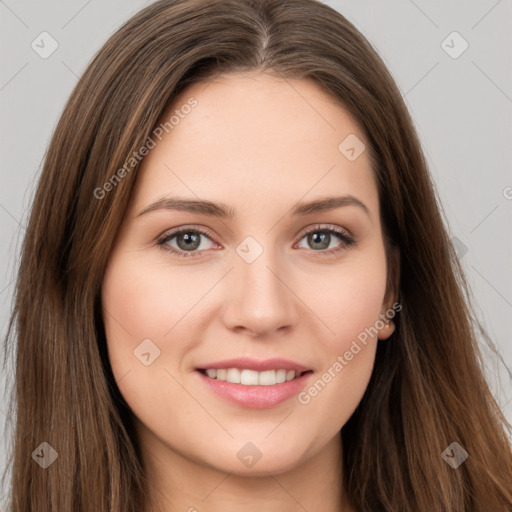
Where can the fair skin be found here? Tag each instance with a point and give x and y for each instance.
(257, 144)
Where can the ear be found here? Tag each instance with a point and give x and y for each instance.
(390, 305)
(387, 330)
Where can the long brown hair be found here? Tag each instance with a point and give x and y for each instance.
(427, 389)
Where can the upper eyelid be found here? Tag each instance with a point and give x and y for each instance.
(324, 227)
(171, 233)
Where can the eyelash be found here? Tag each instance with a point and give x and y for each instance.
(343, 235)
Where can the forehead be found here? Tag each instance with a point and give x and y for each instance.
(255, 139)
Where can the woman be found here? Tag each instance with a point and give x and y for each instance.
(236, 289)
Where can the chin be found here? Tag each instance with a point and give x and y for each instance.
(257, 458)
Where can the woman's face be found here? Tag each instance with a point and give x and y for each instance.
(256, 276)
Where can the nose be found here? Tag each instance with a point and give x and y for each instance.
(260, 298)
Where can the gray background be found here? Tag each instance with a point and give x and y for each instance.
(461, 107)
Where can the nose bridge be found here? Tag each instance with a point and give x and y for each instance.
(258, 295)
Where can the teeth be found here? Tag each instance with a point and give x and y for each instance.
(252, 377)
(281, 376)
(233, 375)
(249, 377)
(267, 378)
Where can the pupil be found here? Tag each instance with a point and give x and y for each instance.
(321, 240)
(191, 240)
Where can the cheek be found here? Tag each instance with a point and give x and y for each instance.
(349, 301)
(134, 322)
(139, 298)
(349, 304)
(142, 300)
(139, 309)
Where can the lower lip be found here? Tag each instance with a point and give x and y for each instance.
(256, 397)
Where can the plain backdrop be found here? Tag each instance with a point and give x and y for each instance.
(451, 60)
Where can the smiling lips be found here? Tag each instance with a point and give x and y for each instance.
(255, 384)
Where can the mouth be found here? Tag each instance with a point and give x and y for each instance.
(254, 384)
(248, 377)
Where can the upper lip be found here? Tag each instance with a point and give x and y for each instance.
(255, 364)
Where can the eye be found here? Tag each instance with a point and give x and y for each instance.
(187, 241)
(320, 239)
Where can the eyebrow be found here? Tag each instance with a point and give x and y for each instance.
(223, 211)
